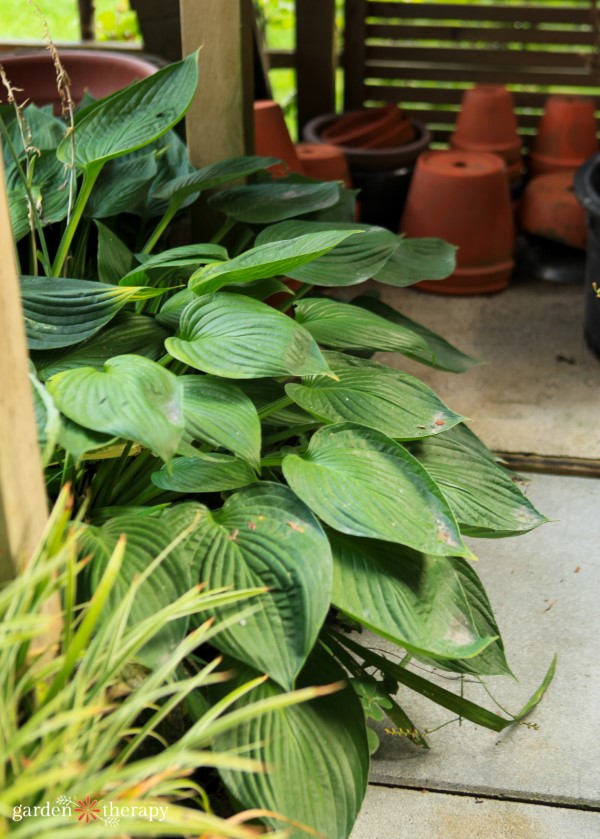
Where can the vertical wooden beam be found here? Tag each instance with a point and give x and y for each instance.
(316, 58)
(86, 19)
(354, 54)
(23, 505)
(220, 122)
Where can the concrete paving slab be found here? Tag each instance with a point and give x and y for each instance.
(400, 814)
(539, 393)
(545, 590)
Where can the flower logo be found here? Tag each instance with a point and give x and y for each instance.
(87, 810)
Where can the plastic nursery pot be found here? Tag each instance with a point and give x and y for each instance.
(464, 198)
(371, 159)
(272, 138)
(566, 135)
(550, 209)
(100, 73)
(323, 162)
(587, 189)
(383, 195)
(487, 123)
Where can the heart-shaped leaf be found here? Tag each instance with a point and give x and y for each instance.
(268, 203)
(60, 313)
(418, 259)
(345, 326)
(134, 116)
(131, 397)
(316, 755)
(219, 413)
(483, 496)
(362, 483)
(264, 261)
(265, 536)
(233, 336)
(417, 601)
(127, 334)
(368, 393)
(147, 538)
(353, 261)
(439, 353)
(211, 472)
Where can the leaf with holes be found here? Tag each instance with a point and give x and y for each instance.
(362, 483)
(483, 496)
(131, 397)
(264, 536)
(376, 396)
(234, 336)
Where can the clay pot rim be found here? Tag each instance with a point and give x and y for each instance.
(31, 55)
(455, 170)
(497, 148)
(556, 162)
(485, 280)
(390, 158)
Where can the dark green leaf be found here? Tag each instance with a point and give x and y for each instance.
(209, 177)
(418, 259)
(211, 472)
(114, 257)
(121, 186)
(268, 203)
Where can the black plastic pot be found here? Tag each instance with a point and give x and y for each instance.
(587, 189)
(382, 195)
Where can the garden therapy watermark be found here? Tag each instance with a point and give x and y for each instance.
(88, 810)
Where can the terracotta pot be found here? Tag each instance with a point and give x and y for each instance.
(371, 128)
(464, 198)
(372, 159)
(487, 123)
(272, 138)
(551, 209)
(323, 162)
(566, 135)
(99, 72)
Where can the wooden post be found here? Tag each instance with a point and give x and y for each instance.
(86, 19)
(354, 54)
(316, 58)
(23, 505)
(220, 122)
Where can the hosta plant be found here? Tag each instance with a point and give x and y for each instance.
(183, 388)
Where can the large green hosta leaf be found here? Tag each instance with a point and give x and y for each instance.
(264, 261)
(353, 261)
(362, 483)
(316, 755)
(483, 496)
(430, 605)
(439, 353)
(265, 536)
(212, 472)
(133, 117)
(170, 579)
(127, 334)
(233, 336)
(131, 397)
(121, 186)
(219, 413)
(418, 259)
(60, 313)
(348, 327)
(368, 393)
(268, 203)
(209, 177)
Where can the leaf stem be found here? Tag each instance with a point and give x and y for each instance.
(162, 226)
(89, 179)
(304, 289)
(273, 407)
(223, 230)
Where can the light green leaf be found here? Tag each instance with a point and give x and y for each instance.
(172, 310)
(264, 261)
(114, 257)
(184, 256)
(418, 259)
(353, 261)
(210, 472)
(134, 116)
(316, 754)
(439, 353)
(131, 397)
(47, 419)
(268, 203)
(127, 334)
(264, 536)
(376, 396)
(79, 441)
(147, 538)
(236, 337)
(349, 327)
(217, 174)
(417, 601)
(60, 313)
(362, 483)
(219, 413)
(483, 496)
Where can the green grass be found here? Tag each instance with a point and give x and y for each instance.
(18, 20)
